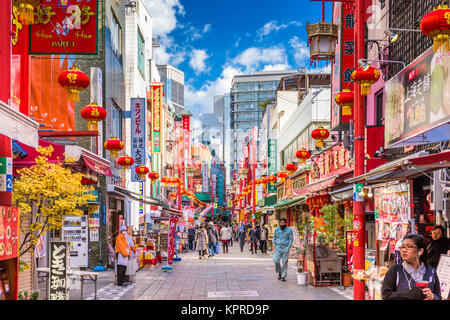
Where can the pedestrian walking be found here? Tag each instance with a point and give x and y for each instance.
(413, 279)
(213, 238)
(191, 237)
(241, 233)
(233, 234)
(201, 240)
(132, 263)
(123, 252)
(263, 236)
(254, 239)
(226, 235)
(439, 244)
(282, 240)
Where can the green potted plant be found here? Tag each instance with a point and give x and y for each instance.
(25, 295)
(301, 261)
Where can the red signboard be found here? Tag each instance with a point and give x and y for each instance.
(170, 246)
(335, 161)
(65, 27)
(9, 232)
(156, 104)
(344, 62)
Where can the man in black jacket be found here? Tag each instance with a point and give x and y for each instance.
(254, 238)
(263, 236)
(440, 244)
(191, 237)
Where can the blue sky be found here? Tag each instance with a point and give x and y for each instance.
(211, 41)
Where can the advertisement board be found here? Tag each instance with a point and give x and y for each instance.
(9, 232)
(58, 278)
(272, 163)
(417, 99)
(137, 135)
(65, 27)
(156, 104)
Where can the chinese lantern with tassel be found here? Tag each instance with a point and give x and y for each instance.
(291, 168)
(272, 180)
(126, 162)
(303, 155)
(114, 145)
(436, 25)
(75, 81)
(94, 114)
(282, 175)
(165, 181)
(153, 176)
(365, 77)
(142, 171)
(320, 134)
(345, 99)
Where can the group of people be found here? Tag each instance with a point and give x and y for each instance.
(255, 234)
(415, 277)
(207, 237)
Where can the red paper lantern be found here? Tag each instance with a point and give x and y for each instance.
(320, 134)
(94, 114)
(114, 145)
(303, 155)
(75, 81)
(436, 25)
(153, 176)
(272, 179)
(291, 168)
(126, 162)
(282, 175)
(173, 195)
(345, 99)
(142, 171)
(165, 181)
(265, 180)
(365, 77)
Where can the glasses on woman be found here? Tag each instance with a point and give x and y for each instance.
(406, 247)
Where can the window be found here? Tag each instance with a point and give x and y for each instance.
(379, 108)
(116, 121)
(116, 37)
(141, 56)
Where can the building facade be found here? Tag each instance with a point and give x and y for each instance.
(173, 79)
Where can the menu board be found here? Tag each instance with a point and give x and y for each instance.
(443, 272)
(9, 232)
(75, 231)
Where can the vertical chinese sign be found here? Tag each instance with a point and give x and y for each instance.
(156, 115)
(205, 177)
(170, 246)
(59, 257)
(220, 189)
(186, 147)
(137, 135)
(343, 14)
(272, 163)
(65, 27)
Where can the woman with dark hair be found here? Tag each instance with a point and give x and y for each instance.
(439, 244)
(402, 281)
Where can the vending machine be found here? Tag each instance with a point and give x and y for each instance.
(75, 231)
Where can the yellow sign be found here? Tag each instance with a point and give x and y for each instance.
(215, 205)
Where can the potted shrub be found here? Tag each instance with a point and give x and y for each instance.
(301, 260)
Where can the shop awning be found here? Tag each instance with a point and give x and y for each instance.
(17, 150)
(405, 168)
(268, 201)
(316, 186)
(97, 164)
(342, 193)
(203, 196)
(134, 196)
(287, 203)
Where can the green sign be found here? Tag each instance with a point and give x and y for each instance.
(272, 162)
(356, 192)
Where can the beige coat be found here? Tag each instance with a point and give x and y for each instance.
(201, 238)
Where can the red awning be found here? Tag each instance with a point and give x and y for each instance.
(29, 161)
(316, 187)
(97, 164)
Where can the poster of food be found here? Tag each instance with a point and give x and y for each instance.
(392, 203)
(386, 235)
(9, 232)
(418, 98)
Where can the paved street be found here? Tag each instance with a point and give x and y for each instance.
(232, 276)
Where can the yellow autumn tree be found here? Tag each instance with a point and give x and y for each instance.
(46, 193)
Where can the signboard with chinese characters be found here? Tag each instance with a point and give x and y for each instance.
(205, 177)
(417, 98)
(272, 163)
(9, 232)
(171, 243)
(186, 147)
(137, 136)
(156, 101)
(57, 284)
(335, 161)
(220, 189)
(342, 68)
(65, 27)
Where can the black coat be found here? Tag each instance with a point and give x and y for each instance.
(253, 235)
(191, 234)
(435, 249)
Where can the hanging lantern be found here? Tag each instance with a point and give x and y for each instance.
(436, 25)
(303, 155)
(165, 181)
(114, 145)
(291, 168)
(94, 114)
(265, 180)
(173, 195)
(75, 81)
(153, 176)
(272, 179)
(322, 39)
(142, 171)
(320, 134)
(365, 76)
(26, 10)
(282, 175)
(125, 162)
(345, 99)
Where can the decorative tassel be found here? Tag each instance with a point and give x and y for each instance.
(26, 13)
(319, 143)
(346, 110)
(93, 125)
(74, 95)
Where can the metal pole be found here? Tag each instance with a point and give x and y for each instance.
(359, 139)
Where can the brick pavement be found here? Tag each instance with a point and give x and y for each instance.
(232, 276)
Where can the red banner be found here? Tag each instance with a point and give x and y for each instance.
(65, 27)
(170, 246)
(9, 232)
(156, 104)
(335, 161)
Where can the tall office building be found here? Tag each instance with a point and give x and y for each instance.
(173, 79)
(248, 92)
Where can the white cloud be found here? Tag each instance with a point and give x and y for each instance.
(197, 61)
(273, 25)
(277, 67)
(253, 58)
(301, 51)
(207, 28)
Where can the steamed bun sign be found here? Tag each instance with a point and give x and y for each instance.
(418, 98)
(65, 26)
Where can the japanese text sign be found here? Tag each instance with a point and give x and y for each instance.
(272, 163)
(137, 135)
(65, 27)
(156, 97)
(170, 246)
(59, 256)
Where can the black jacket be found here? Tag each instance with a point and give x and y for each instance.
(213, 234)
(435, 249)
(253, 235)
(191, 234)
(399, 285)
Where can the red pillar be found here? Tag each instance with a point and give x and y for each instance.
(5, 50)
(359, 138)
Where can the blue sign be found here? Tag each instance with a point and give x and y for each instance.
(205, 175)
(138, 135)
(104, 214)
